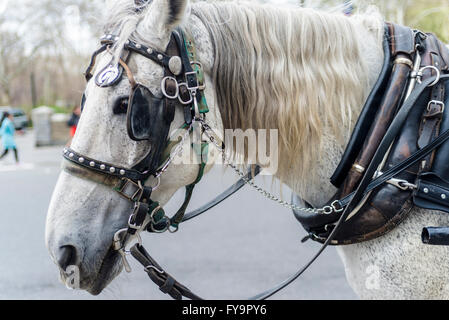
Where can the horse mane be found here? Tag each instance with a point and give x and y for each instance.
(296, 70)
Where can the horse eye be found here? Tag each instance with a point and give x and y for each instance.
(121, 105)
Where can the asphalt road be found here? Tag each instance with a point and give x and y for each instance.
(246, 245)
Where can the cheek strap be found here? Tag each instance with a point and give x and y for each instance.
(129, 74)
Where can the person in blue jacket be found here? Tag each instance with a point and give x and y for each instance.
(7, 131)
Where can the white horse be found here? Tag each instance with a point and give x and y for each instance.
(306, 73)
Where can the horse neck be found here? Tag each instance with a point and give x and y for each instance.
(307, 77)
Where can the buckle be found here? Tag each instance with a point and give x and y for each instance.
(164, 88)
(134, 215)
(188, 101)
(437, 103)
(125, 189)
(192, 81)
(199, 66)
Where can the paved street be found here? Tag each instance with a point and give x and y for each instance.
(244, 246)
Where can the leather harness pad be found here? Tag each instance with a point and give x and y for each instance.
(389, 205)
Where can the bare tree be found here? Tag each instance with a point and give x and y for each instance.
(33, 33)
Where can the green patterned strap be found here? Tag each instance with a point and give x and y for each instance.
(191, 51)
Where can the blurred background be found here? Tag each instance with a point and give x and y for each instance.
(45, 46)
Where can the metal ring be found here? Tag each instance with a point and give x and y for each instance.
(130, 225)
(117, 239)
(420, 74)
(438, 103)
(184, 84)
(196, 63)
(174, 229)
(336, 206)
(153, 212)
(159, 231)
(327, 210)
(164, 92)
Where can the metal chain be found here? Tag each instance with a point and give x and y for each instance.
(177, 151)
(212, 138)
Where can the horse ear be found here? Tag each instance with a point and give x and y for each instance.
(165, 15)
(176, 12)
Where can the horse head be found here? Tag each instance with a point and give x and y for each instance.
(135, 97)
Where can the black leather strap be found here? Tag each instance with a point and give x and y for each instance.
(104, 167)
(223, 196)
(388, 139)
(413, 159)
(166, 283)
(363, 124)
(88, 73)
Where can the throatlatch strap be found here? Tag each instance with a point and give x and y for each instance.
(202, 153)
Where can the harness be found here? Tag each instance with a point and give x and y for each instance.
(399, 160)
(374, 161)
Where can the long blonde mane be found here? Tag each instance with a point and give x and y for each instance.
(297, 70)
(293, 69)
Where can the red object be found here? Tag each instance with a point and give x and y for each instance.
(72, 130)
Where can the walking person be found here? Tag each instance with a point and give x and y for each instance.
(73, 123)
(7, 132)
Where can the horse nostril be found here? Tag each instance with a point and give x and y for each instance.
(66, 256)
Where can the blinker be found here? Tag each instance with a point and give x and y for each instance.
(143, 111)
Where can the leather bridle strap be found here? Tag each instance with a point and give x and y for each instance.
(129, 74)
(223, 196)
(166, 283)
(88, 73)
(104, 167)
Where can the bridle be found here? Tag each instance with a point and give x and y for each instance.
(182, 86)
